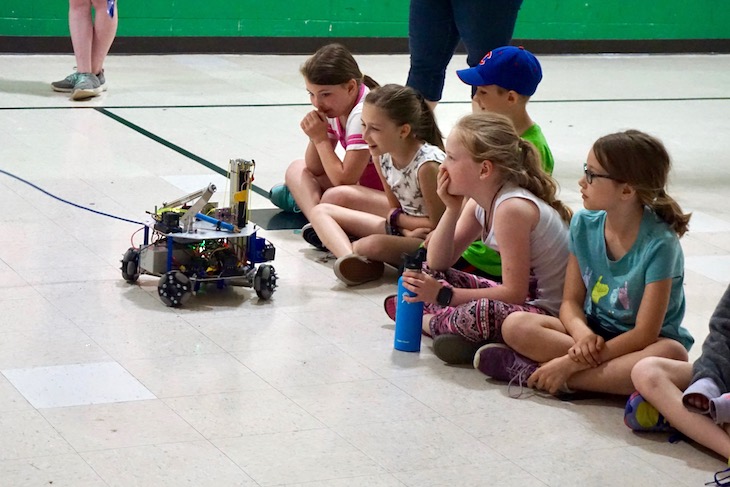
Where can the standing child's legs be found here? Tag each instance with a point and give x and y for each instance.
(105, 29)
(82, 33)
(661, 382)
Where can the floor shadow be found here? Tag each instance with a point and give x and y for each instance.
(275, 219)
(24, 87)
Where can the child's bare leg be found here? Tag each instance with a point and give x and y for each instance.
(661, 382)
(386, 248)
(538, 337)
(358, 198)
(305, 186)
(614, 376)
(333, 224)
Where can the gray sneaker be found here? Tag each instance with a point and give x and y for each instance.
(87, 86)
(102, 80)
(66, 85)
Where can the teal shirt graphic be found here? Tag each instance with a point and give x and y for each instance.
(614, 288)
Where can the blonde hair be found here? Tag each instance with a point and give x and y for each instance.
(490, 136)
(642, 161)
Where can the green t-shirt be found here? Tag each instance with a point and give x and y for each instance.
(478, 254)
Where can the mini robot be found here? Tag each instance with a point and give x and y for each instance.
(189, 243)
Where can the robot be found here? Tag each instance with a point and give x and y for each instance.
(189, 243)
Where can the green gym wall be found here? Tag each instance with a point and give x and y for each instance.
(702, 23)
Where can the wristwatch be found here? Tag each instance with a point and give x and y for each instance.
(443, 298)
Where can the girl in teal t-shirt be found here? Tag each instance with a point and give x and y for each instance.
(623, 298)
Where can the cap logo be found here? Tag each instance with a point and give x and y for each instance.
(484, 59)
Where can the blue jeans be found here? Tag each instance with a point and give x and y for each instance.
(435, 28)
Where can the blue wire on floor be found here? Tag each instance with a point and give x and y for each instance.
(68, 202)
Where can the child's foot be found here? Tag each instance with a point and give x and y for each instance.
(353, 269)
(639, 415)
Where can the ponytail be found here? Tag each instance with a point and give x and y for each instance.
(643, 162)
(533, 178)
(669, 210)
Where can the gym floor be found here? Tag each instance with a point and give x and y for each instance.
(103, 385)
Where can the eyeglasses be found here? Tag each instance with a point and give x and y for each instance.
(590, 175)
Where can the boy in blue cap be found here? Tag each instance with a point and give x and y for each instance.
(504, 79)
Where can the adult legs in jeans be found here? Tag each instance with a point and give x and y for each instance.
(435, 28)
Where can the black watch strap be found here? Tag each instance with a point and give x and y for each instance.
(443, 298)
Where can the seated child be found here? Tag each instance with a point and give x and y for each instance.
(623, 297)
(512, 207)
(702, 411)
(406, 145)
(337, 89)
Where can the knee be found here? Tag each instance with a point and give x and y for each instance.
(337, 195)
(514, 327)
(81, 5)
(365, 246)
(319, 211)
(675, 350)
(294, 172)
(647, 373)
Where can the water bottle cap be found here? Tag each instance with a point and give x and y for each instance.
(413, 262)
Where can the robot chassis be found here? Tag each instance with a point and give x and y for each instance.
(188, 248)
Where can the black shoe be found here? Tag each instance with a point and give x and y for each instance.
(455, 349)
(311, 237)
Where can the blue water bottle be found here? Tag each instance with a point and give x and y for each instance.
(408, 316)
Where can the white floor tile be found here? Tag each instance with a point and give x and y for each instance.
(75, 385)
(312, 456)
(170, 465)
(119, 425)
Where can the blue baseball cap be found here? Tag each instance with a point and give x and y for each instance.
(512, 68)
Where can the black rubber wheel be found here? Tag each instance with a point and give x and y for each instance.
(174, 288)
(130, 265)
(265, 281)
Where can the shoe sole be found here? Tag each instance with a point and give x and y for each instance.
(70, 90)
(385, 305)
(455, 349)
(349, 266)
(85, 94)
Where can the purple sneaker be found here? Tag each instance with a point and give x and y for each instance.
(500, 362)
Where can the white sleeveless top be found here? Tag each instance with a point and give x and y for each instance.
(548, 247)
